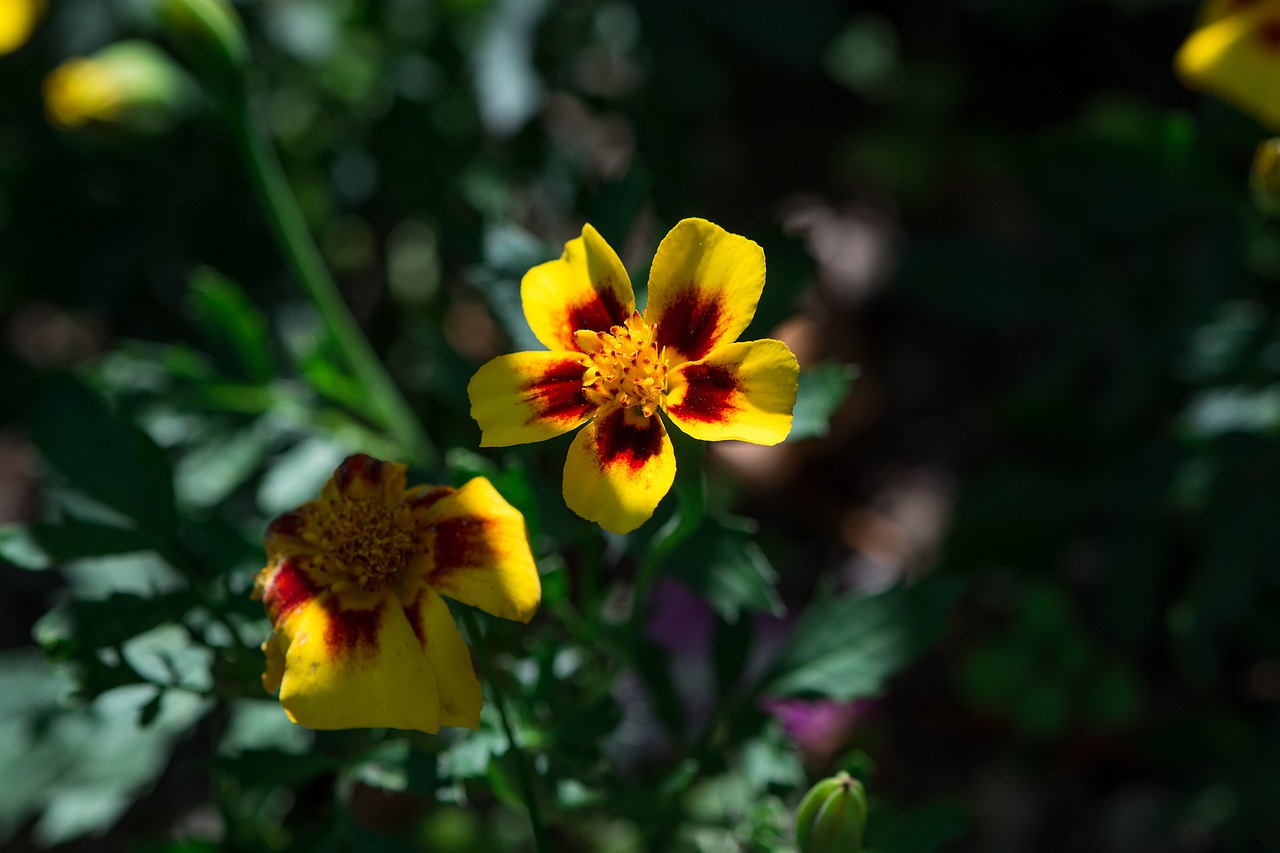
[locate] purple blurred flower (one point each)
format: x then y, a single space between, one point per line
819 727
680 620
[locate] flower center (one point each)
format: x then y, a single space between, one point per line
367 541
627 367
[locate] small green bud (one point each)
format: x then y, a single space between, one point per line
831 817
210 37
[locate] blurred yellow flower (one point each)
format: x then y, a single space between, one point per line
1234 53
18 20
613 369
353 585
131 83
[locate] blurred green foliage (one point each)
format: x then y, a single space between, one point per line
1040 253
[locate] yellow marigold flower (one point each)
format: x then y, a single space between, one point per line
613 369
1234 53
353 586
17 21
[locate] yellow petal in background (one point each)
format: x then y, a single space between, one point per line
528 396
743 391
587 288
1237 58
477 552
704 286
618 469
18 20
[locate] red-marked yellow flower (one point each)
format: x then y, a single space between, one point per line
353 586
1234 53
614 369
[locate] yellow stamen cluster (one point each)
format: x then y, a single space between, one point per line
628 369
366 540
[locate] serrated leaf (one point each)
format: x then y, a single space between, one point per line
722 562
846 647
823 388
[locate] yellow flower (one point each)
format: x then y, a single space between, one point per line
1234 53
353 586
132 83
17 21
613 369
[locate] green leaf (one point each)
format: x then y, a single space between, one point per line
105 456
41 546
823 388
722 562
846 647
232 323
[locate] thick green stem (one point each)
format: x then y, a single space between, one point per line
490 674
295 240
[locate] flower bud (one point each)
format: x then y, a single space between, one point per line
1264 179
131 84
209 36
831 817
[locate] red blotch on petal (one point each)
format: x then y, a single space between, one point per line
358 466
348 630
460 543
711 387
288 589
557 394
627 441
691 322
597 314
414 614
1269 35
289 525
428 498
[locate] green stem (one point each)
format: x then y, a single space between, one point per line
490 674
300 249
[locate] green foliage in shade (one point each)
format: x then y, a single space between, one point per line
846 646
232 324
42 546
113 462
723 563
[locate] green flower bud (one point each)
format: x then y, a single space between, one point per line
210 36
1264 180
130 84
831 817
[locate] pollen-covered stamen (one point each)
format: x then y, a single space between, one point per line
627 367
366 541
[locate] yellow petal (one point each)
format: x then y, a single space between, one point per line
477 552
528 396
1237 57
743 391
362 476
352 660
619 467
587 288
17 20
703 288
274 672
460 698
